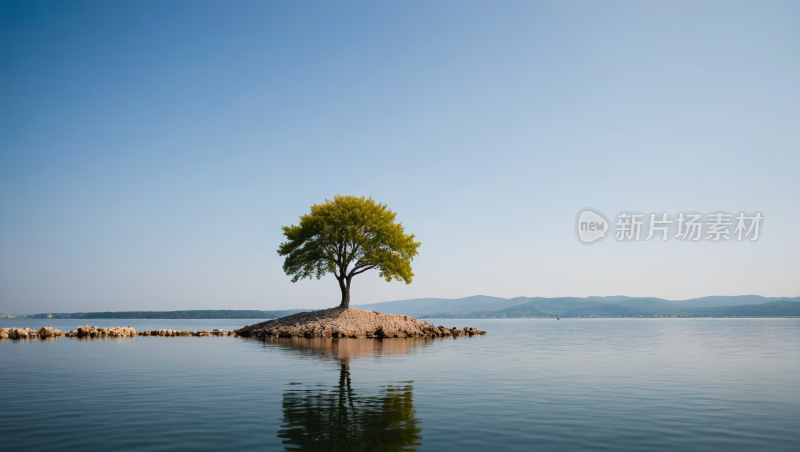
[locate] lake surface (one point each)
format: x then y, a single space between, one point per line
575 384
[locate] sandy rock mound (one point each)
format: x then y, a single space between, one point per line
47 331
350 322
176 333
17 333
92 332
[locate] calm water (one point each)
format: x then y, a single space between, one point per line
584 384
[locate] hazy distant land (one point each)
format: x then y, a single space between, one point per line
195 314
486 307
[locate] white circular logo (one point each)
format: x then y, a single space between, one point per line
591 226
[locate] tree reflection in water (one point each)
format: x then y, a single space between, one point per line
338 419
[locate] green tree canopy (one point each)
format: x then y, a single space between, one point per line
348 236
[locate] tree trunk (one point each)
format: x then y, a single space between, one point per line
345 293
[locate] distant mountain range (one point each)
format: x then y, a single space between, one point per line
485 307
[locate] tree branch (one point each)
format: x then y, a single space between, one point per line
364 266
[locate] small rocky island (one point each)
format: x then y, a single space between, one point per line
329 323
353 323
347 236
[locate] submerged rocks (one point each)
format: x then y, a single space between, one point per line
29 333
17 333
330 323
87 331
350 322
176 333
47 331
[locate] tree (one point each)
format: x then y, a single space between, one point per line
348 236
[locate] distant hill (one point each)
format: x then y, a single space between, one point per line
730 301
426 306
586 308
552 307
522 311
614 306
486 307
770 309
641 304
620 298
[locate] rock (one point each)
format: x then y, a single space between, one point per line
354 323
87 331
47 331
17 333
120 331
380 332
20 333
179 333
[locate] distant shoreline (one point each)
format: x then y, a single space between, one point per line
165 315
486 307
423 317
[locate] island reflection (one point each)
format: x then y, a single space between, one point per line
337 418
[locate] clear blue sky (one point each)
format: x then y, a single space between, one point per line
151 150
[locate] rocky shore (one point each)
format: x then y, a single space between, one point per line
91 332
352 323
175 333
329 323
28 333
